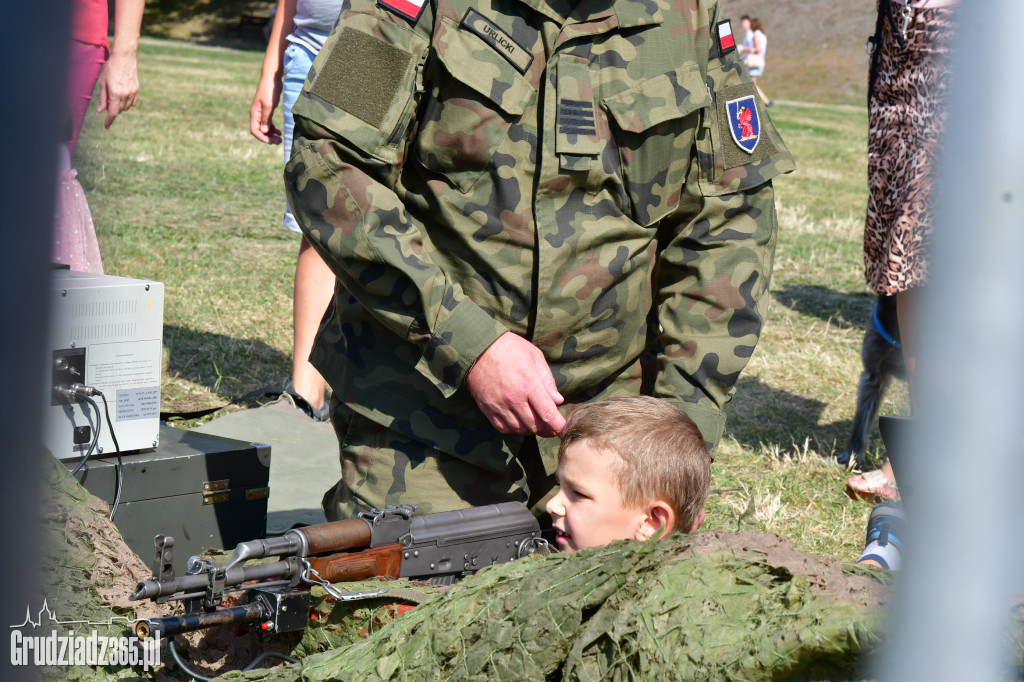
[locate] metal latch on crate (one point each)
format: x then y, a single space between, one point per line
215 492
254 494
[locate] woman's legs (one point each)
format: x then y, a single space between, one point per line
314 288
314 281
764 97
85 62
906 312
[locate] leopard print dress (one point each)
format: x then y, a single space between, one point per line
906 118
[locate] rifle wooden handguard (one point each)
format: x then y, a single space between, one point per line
377 562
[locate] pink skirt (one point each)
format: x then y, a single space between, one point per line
74 237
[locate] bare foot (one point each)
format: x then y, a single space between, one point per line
874 486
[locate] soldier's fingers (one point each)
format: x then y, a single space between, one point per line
509 425
549 420
524 414
503 422
547 379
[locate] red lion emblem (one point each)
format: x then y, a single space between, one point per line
743 117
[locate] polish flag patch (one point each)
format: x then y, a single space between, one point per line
726 41
410 9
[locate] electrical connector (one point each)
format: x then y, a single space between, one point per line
77 391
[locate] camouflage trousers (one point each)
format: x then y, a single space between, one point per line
380 466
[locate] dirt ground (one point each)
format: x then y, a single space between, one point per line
825 574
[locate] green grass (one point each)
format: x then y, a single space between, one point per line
181 193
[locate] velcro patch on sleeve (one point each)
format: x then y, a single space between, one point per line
362 75
742 126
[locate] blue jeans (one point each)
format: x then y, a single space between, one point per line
297 60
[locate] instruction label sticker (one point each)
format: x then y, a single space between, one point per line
123 365
138 403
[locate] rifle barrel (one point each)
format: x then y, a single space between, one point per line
168 626
152 589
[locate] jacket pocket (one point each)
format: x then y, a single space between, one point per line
655 126
738 146
473 100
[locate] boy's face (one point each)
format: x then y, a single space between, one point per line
588 509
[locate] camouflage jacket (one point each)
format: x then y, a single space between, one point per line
522 165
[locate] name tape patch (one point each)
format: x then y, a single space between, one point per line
410 9
502 42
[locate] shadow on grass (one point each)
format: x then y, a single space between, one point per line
760 416
844 310
228 367
216 22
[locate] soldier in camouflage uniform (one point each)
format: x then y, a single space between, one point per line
522 199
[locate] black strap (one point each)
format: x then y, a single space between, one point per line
252 395
901 38
885 13
876 43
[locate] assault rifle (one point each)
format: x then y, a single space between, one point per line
389 543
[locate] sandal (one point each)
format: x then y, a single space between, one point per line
317 414
873 486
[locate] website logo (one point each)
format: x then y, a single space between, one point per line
50 641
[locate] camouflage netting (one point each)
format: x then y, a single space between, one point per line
95 573
714 605
656 611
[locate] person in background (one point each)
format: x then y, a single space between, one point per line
907 101
883 546
91 59
91 54
755 57
299 31
747 45
74 236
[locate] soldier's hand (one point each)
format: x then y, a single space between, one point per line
514 388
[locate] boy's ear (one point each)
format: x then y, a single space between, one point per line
659 519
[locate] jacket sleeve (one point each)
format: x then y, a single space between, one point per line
717 250
355 120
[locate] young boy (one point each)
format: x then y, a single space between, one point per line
627 468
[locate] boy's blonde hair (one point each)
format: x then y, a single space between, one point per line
661 452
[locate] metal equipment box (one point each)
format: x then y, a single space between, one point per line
206 491
106 333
